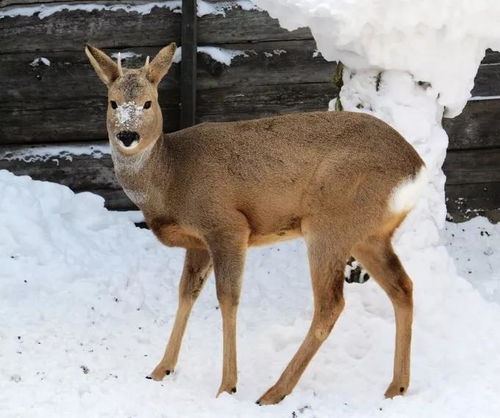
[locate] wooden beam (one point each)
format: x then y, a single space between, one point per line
188 64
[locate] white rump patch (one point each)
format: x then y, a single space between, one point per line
406 194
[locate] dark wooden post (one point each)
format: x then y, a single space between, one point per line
188 64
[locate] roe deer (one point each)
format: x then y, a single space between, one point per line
344 181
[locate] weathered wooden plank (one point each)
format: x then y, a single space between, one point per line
248 102
238 25
82 167
64 101
77 166
68 77
80 121
466 201
477 127
472 166
33 107
70 30
71 77
265 63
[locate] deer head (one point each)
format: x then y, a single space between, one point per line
134 118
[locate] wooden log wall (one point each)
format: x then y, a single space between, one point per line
62 106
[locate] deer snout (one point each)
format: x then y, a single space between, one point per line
127 137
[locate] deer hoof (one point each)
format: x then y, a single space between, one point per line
271 397
395 389
226 388
159 373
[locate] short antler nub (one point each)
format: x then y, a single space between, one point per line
119 62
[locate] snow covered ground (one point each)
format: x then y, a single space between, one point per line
475 247
88 299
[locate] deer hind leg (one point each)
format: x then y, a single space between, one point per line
197 267
327 266
377 256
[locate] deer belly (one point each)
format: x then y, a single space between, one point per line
260 239
285 229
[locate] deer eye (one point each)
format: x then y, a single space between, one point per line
113 104
147 105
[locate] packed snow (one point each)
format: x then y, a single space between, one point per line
481 98
40 61
43 11
125 55
275 52
220 8
204 8
471 242
441 42
88 300
222 55
53 152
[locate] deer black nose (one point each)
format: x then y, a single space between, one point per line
127 137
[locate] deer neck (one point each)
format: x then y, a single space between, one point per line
135 173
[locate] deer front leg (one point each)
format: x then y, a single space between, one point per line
197 266
228 254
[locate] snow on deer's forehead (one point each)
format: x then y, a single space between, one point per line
128 115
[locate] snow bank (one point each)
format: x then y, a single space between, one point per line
438 41
475 248
88 300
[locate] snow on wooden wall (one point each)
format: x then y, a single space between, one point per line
49 94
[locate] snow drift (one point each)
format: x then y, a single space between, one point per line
440 42
88 300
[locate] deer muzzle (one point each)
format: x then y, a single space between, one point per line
127 138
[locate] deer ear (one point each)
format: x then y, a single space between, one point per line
160 65
107 70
